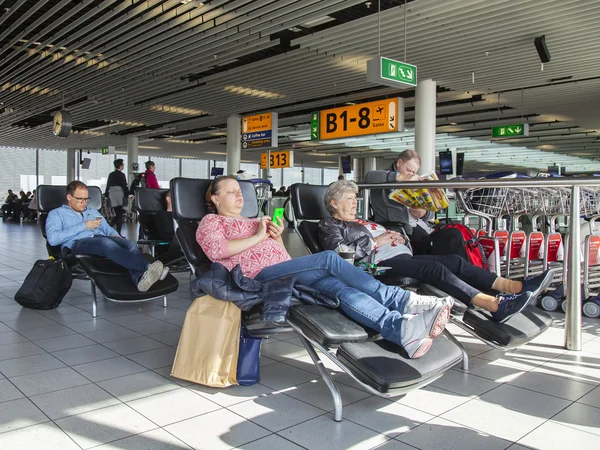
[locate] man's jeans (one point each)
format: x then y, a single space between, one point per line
368 301
121 251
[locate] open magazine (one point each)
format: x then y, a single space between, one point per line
429 199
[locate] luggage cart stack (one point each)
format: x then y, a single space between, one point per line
524 254
262 187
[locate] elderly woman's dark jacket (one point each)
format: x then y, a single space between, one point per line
333 232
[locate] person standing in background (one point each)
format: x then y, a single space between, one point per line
151 180
117 192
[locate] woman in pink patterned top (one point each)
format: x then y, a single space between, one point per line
402 317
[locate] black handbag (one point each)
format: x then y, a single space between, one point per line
248 366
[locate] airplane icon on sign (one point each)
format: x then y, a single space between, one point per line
380 109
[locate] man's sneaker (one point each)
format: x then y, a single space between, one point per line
150 276
418 331
416 304
511 304
164 273
538 284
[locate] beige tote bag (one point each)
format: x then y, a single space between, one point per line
208 347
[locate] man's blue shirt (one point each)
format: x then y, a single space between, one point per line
64 226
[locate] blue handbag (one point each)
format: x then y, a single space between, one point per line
248 366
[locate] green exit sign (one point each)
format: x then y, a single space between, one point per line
520 129
314 126
105 150
390 72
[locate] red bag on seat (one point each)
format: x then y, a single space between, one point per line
457 239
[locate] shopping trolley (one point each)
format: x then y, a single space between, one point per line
262 187
542 250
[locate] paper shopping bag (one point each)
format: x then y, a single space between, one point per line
208 347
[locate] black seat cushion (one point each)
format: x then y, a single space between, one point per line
117 285
327 326
309 232
518 330
385 366
101 266
397 280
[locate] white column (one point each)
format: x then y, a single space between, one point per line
369 163
234 143
454 167
71 157
132 157
357 168
425 124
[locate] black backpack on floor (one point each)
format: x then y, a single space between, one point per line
46 285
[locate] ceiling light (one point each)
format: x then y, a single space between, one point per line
149 147
185 141
88 132
295 29
125 122
177 110
215 153
185 2
317 22
251 92
452 123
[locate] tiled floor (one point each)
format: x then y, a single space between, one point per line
68 382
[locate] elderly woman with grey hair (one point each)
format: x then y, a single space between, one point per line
450 273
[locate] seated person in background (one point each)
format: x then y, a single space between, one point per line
85 231
163 222
226 237
31 212
8 208
451 273
281 192
393 214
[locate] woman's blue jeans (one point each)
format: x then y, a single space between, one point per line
366 300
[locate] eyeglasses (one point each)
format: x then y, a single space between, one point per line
81 200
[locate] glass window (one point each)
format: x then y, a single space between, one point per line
18 170
53 167
166 170
330 175
252 170
292 175
100 166
195 168
276 176
312 175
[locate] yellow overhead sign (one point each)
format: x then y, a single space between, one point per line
258 122
357 120
279 160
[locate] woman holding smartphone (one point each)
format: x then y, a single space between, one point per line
402 317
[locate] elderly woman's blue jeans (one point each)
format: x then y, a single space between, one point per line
363 298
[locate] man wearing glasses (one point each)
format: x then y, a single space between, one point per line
85 231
